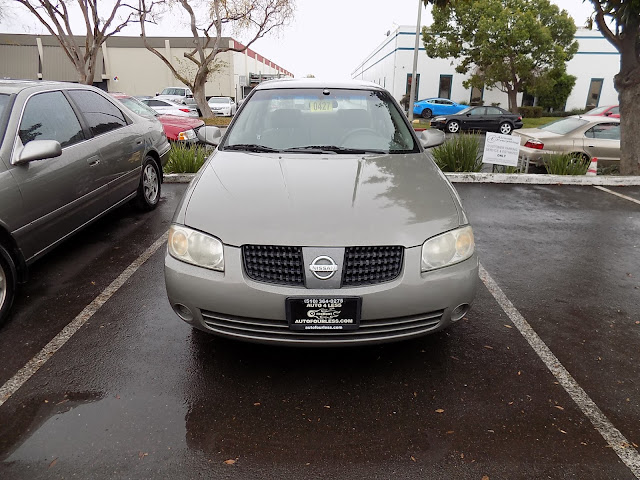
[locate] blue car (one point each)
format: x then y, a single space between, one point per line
436 106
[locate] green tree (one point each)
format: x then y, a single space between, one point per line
554 91
510 45
624 17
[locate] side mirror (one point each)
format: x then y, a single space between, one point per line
157 94
431 138
39 150
608 114
189 95
209 135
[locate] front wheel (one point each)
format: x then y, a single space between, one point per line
150 185
427 113
7 284
506 128
453 126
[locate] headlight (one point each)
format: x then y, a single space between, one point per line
439 119
448 248
187 135
197 248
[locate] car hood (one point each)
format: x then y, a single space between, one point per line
320 200
180 122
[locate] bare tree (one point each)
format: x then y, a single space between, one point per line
101 21
256 18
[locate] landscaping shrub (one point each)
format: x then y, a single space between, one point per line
459 154
185 158
566 164
530 112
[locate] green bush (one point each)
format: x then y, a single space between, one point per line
566 164
530 112
459 154
185 158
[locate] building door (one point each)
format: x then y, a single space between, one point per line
444 90
595 88
408 91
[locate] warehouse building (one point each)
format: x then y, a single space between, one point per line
125 65
390 65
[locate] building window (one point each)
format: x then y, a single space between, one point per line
409 85
476 96
595 88
445 86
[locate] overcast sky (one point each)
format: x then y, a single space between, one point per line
326 38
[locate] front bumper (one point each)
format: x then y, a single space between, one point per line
231 305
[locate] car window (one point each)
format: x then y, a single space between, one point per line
596 111
4 110
138 107
101 115
446 102
340 119
563 126
173 91
605 131
48 116
478 111
493 111
219 100
615 111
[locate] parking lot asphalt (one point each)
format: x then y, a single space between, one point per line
135 393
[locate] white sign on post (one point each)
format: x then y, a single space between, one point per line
501 149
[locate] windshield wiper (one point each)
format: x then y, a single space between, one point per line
332 149
250 147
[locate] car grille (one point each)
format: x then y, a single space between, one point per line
278 330
274 264
371 265
283 265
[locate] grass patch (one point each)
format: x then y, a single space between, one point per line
185 158
459 154
421 122
217 121
566 164
536 122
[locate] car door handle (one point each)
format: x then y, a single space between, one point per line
93 161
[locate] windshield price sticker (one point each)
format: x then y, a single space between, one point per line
321 106
501 149
328 314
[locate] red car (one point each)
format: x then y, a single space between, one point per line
177 129
612 111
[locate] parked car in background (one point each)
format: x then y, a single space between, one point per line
224 106
321 220
580 135
177 129
612 111
167 107
494 119
182 95
68 154
436 106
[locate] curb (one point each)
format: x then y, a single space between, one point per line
510 178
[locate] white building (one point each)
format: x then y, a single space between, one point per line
391 62
125 65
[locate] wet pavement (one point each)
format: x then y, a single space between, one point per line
135 393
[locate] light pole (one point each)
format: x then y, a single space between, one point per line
412 93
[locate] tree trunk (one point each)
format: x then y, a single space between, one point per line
629 97
512 94
199 93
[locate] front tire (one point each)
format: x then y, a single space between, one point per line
506 128
453 126
150 185
427 113
7 284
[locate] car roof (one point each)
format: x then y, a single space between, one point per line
287 83
15 86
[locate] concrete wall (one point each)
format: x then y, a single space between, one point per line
392 60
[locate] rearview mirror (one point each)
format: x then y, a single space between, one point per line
431 138
39 150
209 135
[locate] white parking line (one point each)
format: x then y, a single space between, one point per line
12 385
617 194
611 434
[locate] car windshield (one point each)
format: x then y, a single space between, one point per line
563 126
219 100
321 121
596 111
173 91
138 107
465 110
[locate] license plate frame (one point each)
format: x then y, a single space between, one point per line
323 314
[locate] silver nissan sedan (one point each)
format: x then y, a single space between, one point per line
320 220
